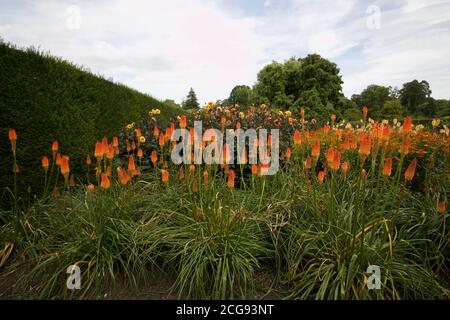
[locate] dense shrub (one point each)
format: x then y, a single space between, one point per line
46 98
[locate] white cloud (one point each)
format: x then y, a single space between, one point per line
166 47
161 47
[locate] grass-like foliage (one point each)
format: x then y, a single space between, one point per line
346 199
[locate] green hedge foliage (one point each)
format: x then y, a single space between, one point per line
46 98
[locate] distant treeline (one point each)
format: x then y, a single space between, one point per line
315 84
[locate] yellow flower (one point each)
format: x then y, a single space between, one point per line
241 115
142 139
288 114
154 112
436 122
130 126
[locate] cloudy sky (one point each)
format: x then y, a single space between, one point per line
165 47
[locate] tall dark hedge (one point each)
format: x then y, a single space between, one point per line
46 98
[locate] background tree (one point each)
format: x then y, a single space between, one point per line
392 109
321 76
374 96
240 95
270 82
172 103
191 101
292 74
311 82
442 108
415 94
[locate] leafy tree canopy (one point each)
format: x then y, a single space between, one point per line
240 95
414 94
311 82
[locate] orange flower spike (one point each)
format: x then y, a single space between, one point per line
90 187
16 168
65 169
365 110
333 118
321 176
88 160
405 147
205 177
12 138
222 121
162 140
336 163
254 169
345 166
115 143
45 163
269 140
58 159
164 176
225 154
105 142
172 126
105 183
140 154
138 132
297 138
315 151
411 170
183 121
407 125
346 144
124 178
387 168
191 135
441 207
128 146
231 176
288 153
133 145
386 133
110 154
131 164
192 169
366 145
330 155
154 157
155 131
98 150
308 162
12 135
55 148
263 169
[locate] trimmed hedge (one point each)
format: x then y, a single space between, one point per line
46 98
